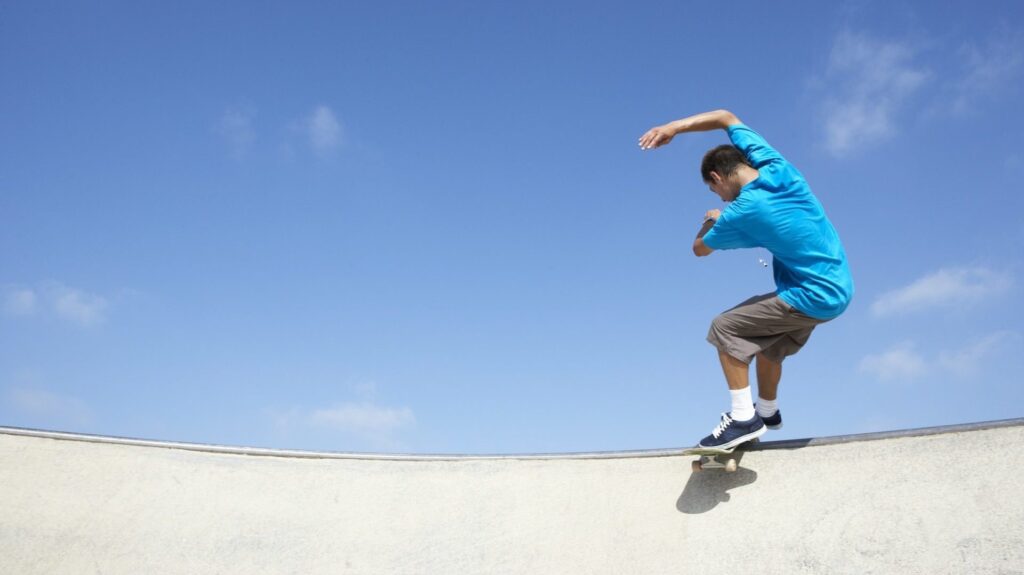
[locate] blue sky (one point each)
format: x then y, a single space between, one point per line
428 228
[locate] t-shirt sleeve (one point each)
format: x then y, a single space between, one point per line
753 146
729 233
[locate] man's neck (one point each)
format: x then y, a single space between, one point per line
745 174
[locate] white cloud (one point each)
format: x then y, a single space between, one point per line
57 300
324 131
363 418
53 408
236 127
78 306
20 301
946 287
969 361
987 69
901 362
874 79
377 426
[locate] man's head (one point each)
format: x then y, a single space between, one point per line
725 170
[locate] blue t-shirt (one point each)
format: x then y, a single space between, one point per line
778 212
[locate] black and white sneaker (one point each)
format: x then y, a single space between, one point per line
773 421
731 433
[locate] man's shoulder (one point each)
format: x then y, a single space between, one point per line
758 151
751 204
779 174
753 196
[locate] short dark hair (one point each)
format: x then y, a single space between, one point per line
723 159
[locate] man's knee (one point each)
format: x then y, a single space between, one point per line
722 334
720 325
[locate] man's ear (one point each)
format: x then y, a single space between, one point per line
714 178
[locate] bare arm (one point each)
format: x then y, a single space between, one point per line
699 248
661 135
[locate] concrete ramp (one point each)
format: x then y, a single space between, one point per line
941 500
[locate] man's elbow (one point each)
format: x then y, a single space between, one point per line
727 118
700 250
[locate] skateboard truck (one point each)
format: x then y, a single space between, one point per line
717 458
724 461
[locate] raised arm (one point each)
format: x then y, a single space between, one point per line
661 135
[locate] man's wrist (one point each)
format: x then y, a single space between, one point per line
706 227
677 127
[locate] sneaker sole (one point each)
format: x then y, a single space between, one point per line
726 447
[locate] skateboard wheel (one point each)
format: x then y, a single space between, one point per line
695 466
730 466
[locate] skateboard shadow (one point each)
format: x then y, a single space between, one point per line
706 489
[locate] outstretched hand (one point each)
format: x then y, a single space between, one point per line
656 137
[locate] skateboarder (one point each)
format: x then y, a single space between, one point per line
770 206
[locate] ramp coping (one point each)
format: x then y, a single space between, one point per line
664 452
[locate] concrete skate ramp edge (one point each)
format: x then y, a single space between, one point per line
936 500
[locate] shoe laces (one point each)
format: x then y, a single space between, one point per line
722 425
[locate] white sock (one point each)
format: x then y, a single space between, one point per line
742 404
766 408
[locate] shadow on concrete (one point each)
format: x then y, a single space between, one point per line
706 489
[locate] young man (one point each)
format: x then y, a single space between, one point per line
770 206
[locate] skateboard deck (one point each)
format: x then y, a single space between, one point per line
710 458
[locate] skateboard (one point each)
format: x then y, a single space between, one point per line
717 458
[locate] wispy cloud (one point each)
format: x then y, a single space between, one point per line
324 131
50 407
873 79
19 301
987 68
901 362
968 361
375 425
320 130
78 306
52 298
363 418
944 288
237 129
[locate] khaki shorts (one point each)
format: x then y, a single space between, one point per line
762 324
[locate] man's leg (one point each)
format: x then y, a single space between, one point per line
768 375
742 423
730 333
737 376
737 373
761 326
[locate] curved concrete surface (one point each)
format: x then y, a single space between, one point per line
941 500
